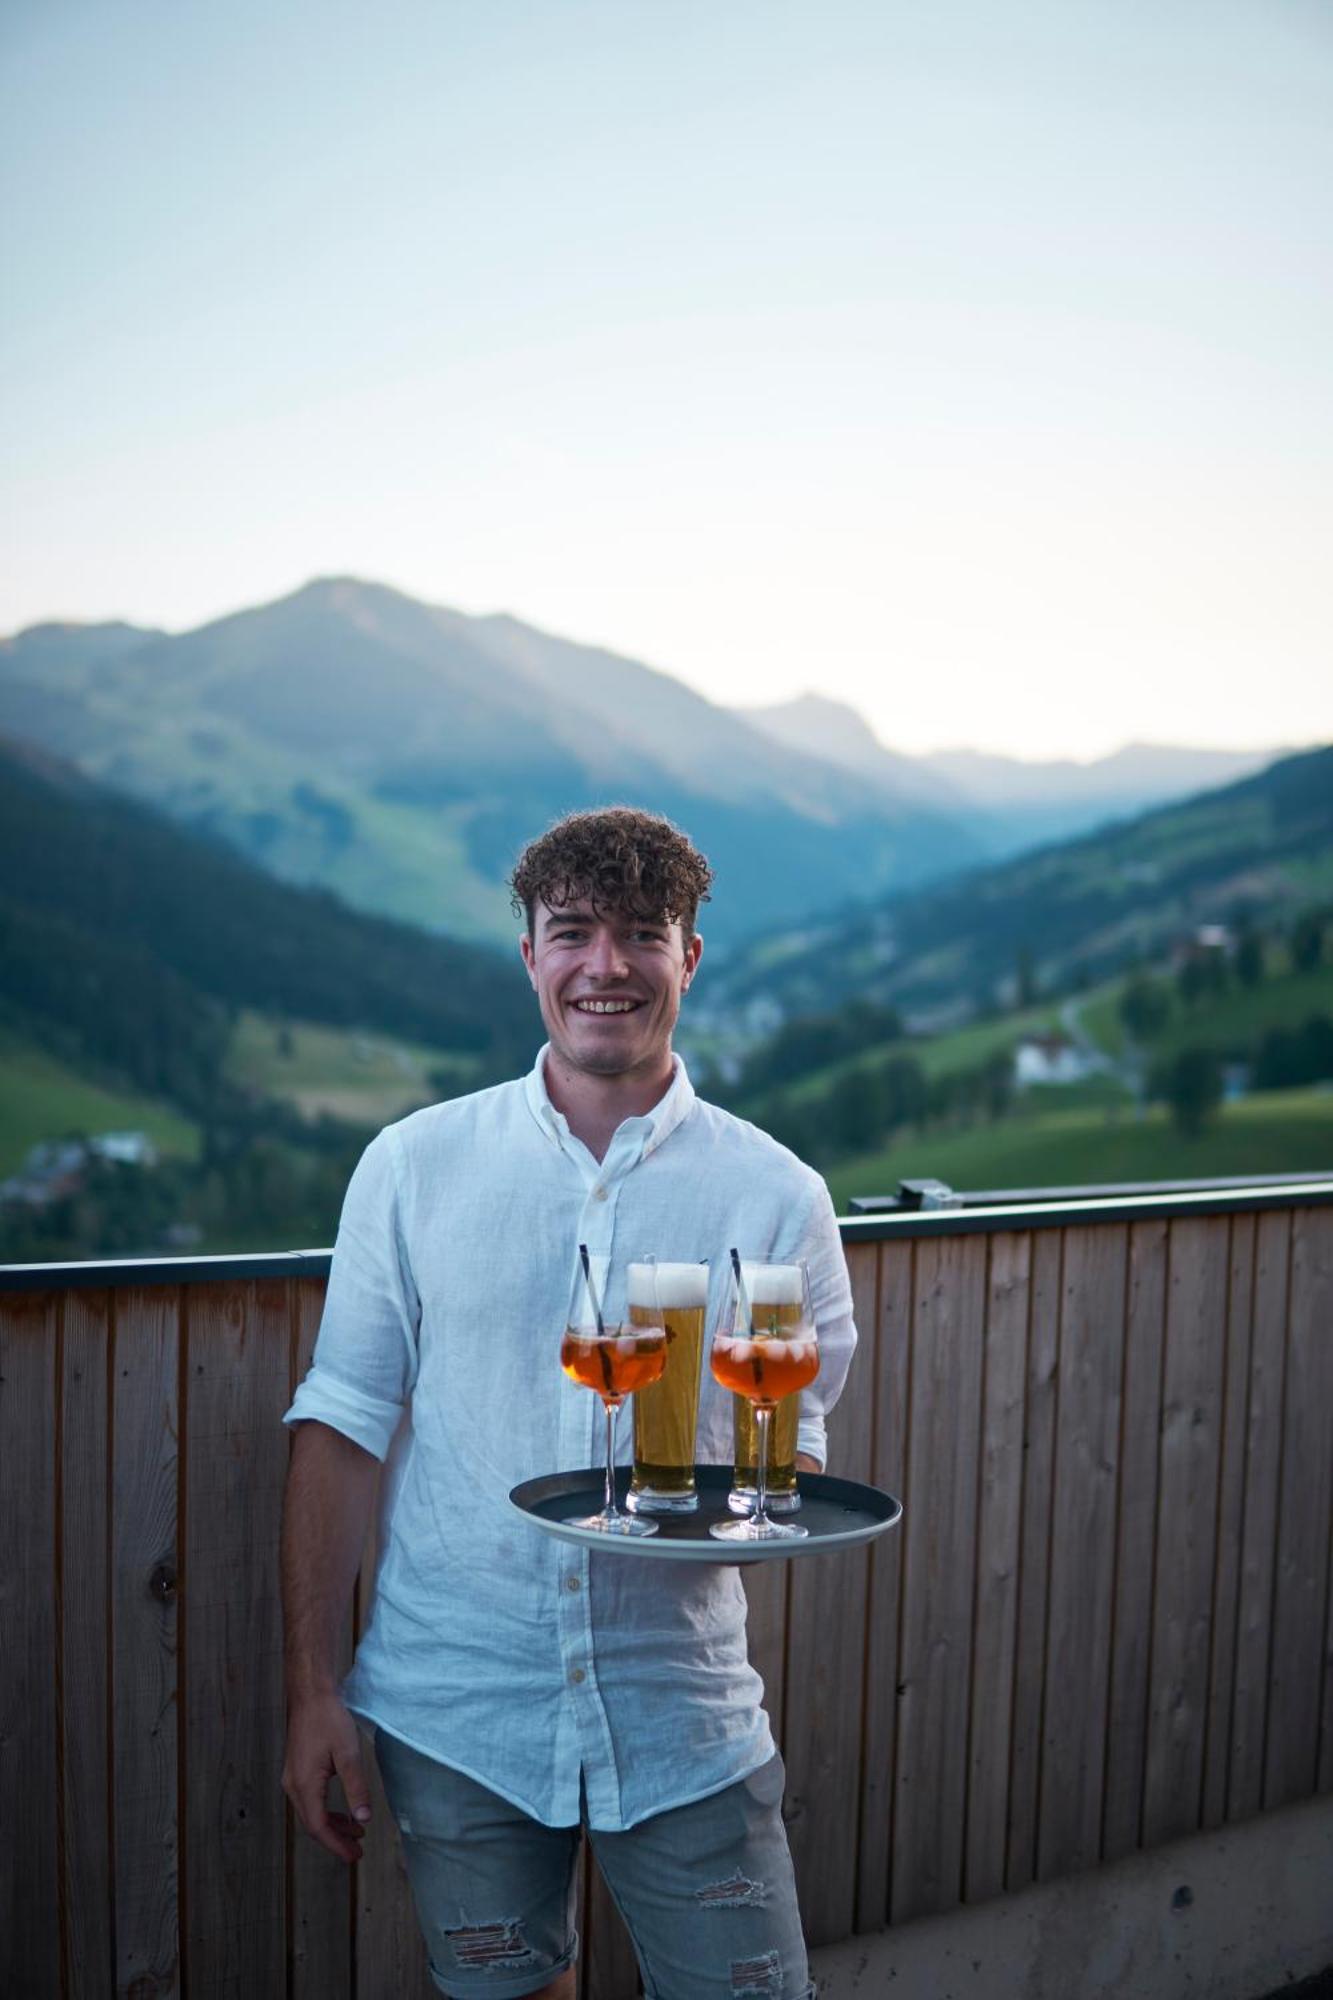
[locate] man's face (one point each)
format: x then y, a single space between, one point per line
609 986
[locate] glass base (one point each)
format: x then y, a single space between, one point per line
616 1524
750 1530
649 1500
744 1500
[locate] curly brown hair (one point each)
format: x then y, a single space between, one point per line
620 859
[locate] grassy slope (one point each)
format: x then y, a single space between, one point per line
366 1079
41 1098
1280 1132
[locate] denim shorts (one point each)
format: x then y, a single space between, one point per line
706 1890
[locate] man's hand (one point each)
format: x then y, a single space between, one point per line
322 1743
804 1463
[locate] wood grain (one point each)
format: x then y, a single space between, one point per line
892 1358
1305 1507
29 1881
319 1917
1263 1444
1230 1521
1083 1538
145 1590
823 1695
1034 1559
85 1611
940 1554
1196 1324
995 1614
1136 1534
236 1456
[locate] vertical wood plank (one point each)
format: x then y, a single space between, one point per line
1136 1533
390 1961
145 1429
1230 1521
1296 1664
1078 1644
940 1554
1034 1562
85 1611
996 1609
29 1890
766 1633
1196 1325
892 1361
236 1456
1263 1443
611 1970
823 1753
319 1916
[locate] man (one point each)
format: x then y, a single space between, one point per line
518 1687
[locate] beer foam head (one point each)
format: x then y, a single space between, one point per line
679 1286
773 1284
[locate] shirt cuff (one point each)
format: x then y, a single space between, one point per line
366 1420
812 1439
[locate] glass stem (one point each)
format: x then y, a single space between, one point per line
610 1504
761 1420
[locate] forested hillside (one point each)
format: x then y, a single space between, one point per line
128 941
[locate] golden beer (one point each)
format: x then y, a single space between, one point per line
771 1316
667 1411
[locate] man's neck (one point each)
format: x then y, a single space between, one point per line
594 1106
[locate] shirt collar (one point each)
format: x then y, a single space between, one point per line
655 1126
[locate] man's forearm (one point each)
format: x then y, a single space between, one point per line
330 1491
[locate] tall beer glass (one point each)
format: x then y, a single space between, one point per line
667 1411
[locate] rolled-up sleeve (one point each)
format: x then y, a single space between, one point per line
831 1299
365 1359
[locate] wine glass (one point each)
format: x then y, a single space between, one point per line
766 1348
614 1358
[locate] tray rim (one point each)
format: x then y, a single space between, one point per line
875 1500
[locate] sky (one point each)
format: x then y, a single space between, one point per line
969 363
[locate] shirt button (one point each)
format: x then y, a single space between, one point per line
599 1194
572 1583
578 1676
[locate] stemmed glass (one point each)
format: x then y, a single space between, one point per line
613 1358
766 1348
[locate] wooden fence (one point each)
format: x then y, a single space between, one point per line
1103 1623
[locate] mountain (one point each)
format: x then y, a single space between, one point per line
400 753
128 944
1071 911
1009 803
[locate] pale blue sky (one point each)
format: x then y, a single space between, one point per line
970 362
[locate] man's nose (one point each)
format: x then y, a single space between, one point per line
606 959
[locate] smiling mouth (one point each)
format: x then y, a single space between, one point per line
607 1006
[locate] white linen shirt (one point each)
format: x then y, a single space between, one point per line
530 1665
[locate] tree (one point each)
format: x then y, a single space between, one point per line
1307 941
1026 976
1145 1007
1250 958
1192 1086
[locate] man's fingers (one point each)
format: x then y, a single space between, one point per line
350 1769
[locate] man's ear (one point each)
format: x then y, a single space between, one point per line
529 959
694 951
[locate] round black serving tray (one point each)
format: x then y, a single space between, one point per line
838 1514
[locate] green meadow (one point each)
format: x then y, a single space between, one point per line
1288 1131
42 1098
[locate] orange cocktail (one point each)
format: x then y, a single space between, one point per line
616 1361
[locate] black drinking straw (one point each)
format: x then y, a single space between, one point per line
592 1291
743 1302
